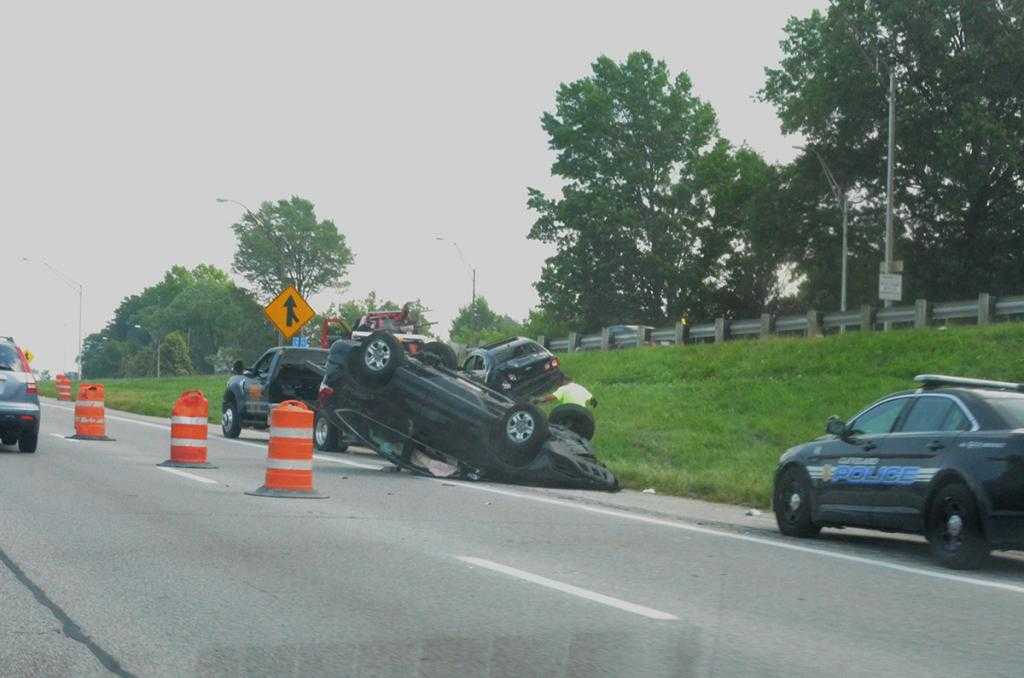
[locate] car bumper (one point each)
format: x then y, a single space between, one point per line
19 416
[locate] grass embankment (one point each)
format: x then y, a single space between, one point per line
710 421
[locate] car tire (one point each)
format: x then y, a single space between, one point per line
9 438
379 355
577 419
28 441
520 434
954 528
326 436
444 353
231 419
792 504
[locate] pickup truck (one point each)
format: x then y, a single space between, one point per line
282 373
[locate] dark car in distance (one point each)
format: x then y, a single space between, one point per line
945 460
516 366
420 414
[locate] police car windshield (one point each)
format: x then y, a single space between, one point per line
1010 407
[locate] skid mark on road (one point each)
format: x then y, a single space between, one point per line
617 603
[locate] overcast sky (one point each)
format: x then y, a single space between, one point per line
120 123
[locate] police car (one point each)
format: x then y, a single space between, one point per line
945 460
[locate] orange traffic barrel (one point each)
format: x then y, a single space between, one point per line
63 387
189 424
90 416
290 454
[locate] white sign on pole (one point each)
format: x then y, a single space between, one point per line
890 286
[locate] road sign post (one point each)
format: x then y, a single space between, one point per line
289 312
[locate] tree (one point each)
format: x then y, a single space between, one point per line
284 244
477 324
632 245
959 167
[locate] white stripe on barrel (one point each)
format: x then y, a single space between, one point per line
290 464
188 442
88 403
190 421
301 433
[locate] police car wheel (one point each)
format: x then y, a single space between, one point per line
954 528
792 504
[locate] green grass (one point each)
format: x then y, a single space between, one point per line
710 421
153 396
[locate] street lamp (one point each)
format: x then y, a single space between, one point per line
75 285
844 203
463 258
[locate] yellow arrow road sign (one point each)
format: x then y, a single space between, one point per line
288 312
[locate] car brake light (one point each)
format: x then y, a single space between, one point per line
414 347
31 388
325 393
27 417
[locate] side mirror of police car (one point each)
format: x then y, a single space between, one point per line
238 367
836 426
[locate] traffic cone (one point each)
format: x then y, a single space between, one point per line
290 453
189 424
90 415
63 387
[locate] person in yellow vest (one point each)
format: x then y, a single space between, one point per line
573 409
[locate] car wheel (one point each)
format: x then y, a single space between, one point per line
954 528
577 419
8 438
326 436
792 503
520 433
28 441
230 420
379 355
443 352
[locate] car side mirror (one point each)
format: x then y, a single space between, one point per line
238 367
837 427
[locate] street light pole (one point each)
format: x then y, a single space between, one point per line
80 288
888 177
472 270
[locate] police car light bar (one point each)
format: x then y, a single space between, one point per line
939 380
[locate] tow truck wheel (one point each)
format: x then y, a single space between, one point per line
954 528
377 359
326 436
230 420
792 504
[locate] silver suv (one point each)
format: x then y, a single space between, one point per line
19 399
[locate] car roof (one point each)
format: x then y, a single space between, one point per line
510 341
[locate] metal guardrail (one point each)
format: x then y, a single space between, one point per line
982 310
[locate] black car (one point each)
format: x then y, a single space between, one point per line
516 366
945 460
419 414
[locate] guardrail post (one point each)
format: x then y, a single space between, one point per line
605 338
767 325
867 318
574 341
682 333
985 308
813 323
922 313
542 340
721 329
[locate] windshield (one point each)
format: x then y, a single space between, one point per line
9 358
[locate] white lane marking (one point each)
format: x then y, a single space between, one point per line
750 539
63 437
186 474
346 462
648 612
117 418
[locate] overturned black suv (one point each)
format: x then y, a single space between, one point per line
420 414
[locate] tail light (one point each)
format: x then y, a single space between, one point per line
551 364
324 395
414 347
31 388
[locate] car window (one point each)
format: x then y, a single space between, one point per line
927 413
1010 408
474 363
262 366
9 359
956 420
880 418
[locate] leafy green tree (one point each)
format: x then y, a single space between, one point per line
285 244
631 244
959 135
542 322
476 324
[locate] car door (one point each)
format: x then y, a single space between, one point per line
475 367
841 467
931 426
257 403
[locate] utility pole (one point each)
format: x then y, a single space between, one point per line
472 269
888 178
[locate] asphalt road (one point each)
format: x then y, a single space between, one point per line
109 564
